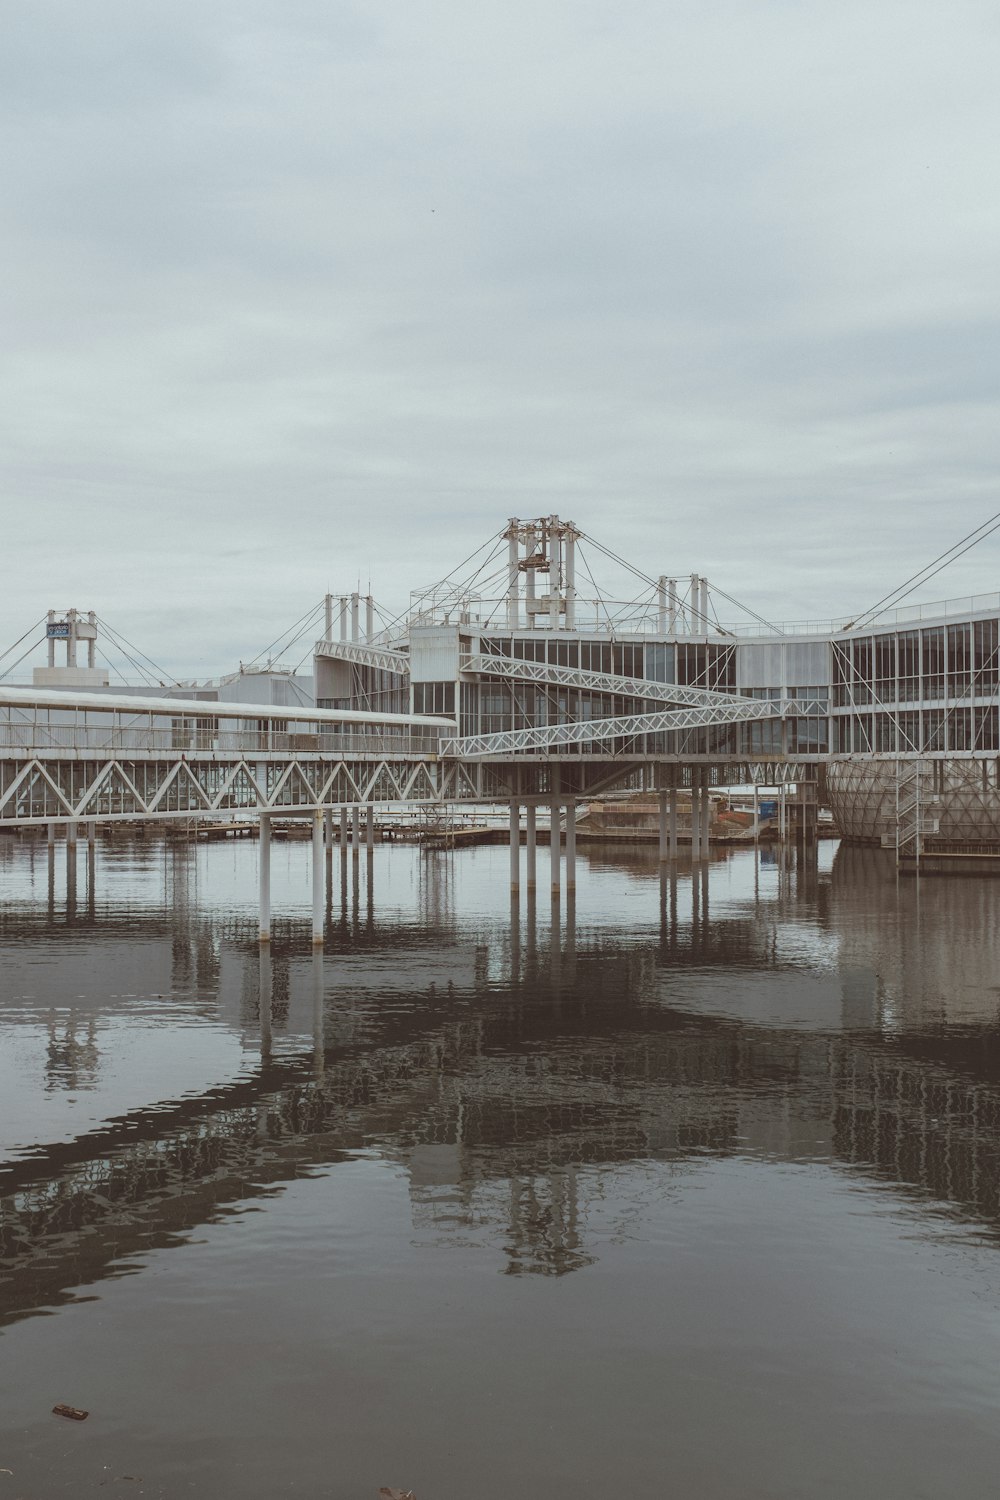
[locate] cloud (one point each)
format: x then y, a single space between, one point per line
294 294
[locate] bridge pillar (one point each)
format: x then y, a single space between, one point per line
695 811
555 846
343 830
71 832
706 808
317 879
70 877
319 1038
328 828
370 829
672 795
52 826
265 877
570 848
515 848
265 1002
664 845
355 830
529 835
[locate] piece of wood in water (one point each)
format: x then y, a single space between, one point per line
74 1412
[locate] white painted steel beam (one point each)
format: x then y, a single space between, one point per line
629 726
365 656
511 668
127 706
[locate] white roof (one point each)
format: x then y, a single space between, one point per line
205 708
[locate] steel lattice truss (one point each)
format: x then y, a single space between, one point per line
365 656
40 790
732 710
600 682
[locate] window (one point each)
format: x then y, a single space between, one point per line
933 663
984 656
909 666
885 668
434 698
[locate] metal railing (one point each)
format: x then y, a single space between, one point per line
43 738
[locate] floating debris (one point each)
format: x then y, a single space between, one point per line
73 1412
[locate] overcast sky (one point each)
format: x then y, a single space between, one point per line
296 293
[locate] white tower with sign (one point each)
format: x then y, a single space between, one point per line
76 631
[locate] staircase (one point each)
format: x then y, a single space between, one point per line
917 811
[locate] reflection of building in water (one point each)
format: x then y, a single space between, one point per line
913 951
71 1055
508 1129
528 1113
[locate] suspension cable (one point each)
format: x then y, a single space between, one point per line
935 566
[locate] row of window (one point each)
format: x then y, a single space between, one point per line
434 698
930 729
689 663
953 661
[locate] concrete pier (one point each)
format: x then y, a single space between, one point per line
317 879
265 877
515 848
571 847
555 848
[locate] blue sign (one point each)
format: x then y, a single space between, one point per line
59 632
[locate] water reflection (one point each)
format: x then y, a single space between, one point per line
506 1062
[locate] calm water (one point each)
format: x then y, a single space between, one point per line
694 1192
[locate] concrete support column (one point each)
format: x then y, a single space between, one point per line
319 1038
355 829
265 877
317 880
555 846
71 878
672 804
328 617
91 833
370 829
328 828
706 827
71 832
570 582
695 812
512 580
52 834
570 847
265 1002
529 834
664 843
515 848
343 830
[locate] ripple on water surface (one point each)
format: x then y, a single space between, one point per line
693 1183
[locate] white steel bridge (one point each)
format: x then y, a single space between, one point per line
535 694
